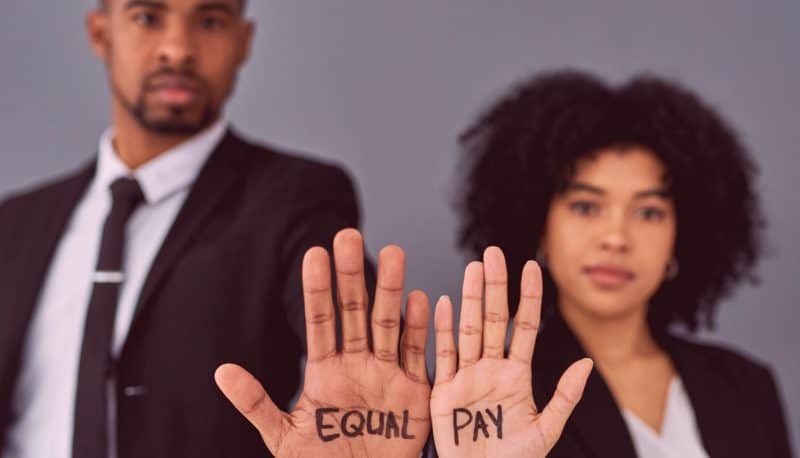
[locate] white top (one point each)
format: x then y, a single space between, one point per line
44 396
679 436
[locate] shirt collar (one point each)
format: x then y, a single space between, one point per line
168 173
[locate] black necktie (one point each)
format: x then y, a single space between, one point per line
90 428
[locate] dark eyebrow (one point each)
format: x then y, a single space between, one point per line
216 6
578 186
207 6
661 192
145 3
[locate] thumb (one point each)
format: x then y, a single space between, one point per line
568 392
252 401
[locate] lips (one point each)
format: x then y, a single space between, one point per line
608 276
174 90
175 95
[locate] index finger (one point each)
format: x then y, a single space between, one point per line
526 322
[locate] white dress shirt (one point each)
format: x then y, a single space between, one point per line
679 436
44 396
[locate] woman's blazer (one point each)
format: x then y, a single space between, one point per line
735 400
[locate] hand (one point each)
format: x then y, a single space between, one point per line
486 407
357 402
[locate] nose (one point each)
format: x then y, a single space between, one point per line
615 235
177 48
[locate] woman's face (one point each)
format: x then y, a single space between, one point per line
609 236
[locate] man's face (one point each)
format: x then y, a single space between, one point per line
171 63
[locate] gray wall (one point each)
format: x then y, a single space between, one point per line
385 87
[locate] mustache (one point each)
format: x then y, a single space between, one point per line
185 76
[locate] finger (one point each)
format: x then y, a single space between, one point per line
568 392
445 342
348 255
415 335
495 315
388 302
526 322
471 321
319 312
249 398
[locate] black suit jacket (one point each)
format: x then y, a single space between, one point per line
735 400
224 287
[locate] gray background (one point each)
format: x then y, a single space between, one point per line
385 87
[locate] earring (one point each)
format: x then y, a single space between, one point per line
672 269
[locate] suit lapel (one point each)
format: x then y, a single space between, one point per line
215 179
49 215
596 423
48 220
723 428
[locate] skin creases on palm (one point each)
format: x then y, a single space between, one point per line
374 400
361 397
378 412
482 387
482 400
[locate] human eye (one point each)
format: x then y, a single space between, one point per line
213 22
147 19
584 207
651 213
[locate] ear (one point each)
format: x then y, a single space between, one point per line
246 34
97 32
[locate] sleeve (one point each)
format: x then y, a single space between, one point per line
326 204
773 415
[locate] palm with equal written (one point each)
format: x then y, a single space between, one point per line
490 395
355 379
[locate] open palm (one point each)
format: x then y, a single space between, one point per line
357 401
484 407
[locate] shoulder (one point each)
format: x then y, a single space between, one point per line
286 190
27 210
28 199
733 364
294 175
750 384
289 168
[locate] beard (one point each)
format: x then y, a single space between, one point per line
171 120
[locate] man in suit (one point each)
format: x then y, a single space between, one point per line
125 284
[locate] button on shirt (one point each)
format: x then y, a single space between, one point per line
43 402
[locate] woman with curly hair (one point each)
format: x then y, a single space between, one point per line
639 204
